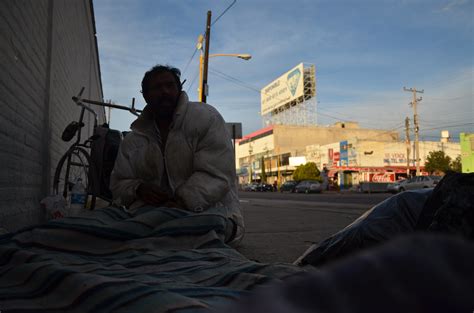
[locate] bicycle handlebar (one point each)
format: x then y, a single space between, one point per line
111 105
79 101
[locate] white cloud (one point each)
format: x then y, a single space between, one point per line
452 4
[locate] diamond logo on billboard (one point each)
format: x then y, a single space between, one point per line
292 80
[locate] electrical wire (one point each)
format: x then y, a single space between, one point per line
447 126
189 62
233 79
192 81
448 99
223 12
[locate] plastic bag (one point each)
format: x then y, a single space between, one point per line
396 215
55 206
451 207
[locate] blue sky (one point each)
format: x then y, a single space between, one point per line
365 52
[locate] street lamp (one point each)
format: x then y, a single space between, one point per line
204 60
243 56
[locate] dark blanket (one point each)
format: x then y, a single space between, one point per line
158 260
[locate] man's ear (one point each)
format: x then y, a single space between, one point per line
145 96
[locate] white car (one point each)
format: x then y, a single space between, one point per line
417 182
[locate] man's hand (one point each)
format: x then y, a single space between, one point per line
151 194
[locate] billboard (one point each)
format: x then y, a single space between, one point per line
344 155
286 88
297 161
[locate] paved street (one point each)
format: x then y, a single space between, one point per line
280 227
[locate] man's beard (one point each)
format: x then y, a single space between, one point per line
164 108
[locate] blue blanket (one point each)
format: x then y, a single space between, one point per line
108 260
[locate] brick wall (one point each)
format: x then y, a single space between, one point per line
48 53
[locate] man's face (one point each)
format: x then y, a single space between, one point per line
162 93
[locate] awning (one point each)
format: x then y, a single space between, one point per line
370 169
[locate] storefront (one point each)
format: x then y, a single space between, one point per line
347 176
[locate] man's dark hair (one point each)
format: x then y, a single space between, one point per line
160 69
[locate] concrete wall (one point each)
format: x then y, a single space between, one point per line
48 53
295 139
368 153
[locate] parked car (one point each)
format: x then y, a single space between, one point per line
308 186
395 186
251 187
288 186
264 187
417 182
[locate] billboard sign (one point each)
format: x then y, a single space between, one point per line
352 155
286 88
296 161
344 155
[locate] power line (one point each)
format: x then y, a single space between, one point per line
448 99
192 81
190 60
235 80
448 126
223 12
358 117
436 122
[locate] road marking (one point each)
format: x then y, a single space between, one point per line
244 201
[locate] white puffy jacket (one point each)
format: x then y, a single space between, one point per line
199 161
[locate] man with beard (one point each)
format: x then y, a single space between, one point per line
178 154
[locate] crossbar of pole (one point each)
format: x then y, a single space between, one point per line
109 105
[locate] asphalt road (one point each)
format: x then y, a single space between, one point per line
280 227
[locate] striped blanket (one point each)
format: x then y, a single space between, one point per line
108 260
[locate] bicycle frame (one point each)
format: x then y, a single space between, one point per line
80 102
80 150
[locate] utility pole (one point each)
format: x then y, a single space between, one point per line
407 141
415 122
201 61
204 87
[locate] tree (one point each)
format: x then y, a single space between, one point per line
437 161
308 171
456 164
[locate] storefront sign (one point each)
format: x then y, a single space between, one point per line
394 158
344 158
382 177
352 155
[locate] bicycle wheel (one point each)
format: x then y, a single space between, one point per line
72 165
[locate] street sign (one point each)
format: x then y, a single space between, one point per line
235 130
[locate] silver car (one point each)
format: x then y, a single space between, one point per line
417 182
308 186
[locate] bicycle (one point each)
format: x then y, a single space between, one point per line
77 162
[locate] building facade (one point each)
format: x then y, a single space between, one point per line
352 161
271 149
467 152
49 51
